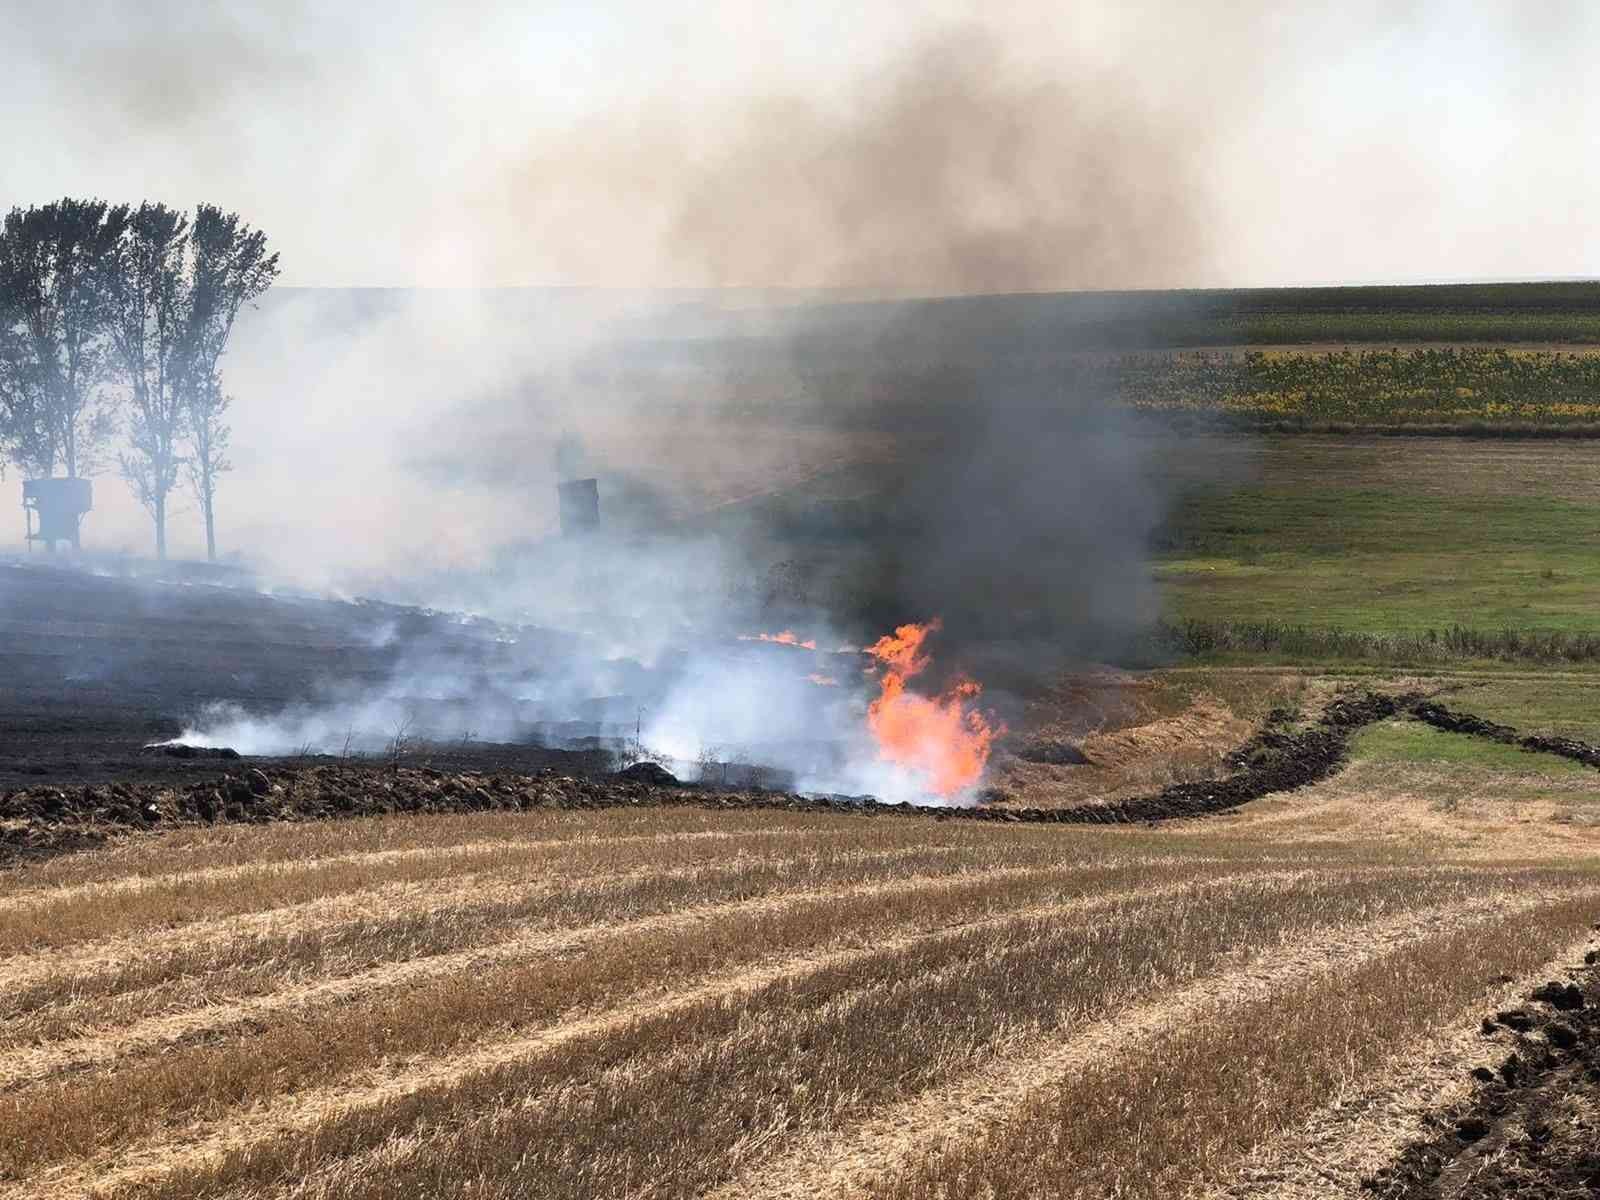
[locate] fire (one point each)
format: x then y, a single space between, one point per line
945 738
786 638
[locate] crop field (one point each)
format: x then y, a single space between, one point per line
1557 313
667 1002
1410 386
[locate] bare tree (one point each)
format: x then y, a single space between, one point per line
229 268
149 328
55 333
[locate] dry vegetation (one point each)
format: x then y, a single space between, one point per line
674 1003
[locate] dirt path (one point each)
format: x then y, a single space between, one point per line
207 1142
847 1163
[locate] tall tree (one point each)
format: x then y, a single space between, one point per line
229 268
209 433
54 333
25 439
149 332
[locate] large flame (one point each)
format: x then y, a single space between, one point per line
946 739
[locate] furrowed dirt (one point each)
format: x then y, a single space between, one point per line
1531 1126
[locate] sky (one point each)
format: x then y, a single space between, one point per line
926 146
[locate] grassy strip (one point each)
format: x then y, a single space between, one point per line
71 1117
1390 555
1413 743
685 1099
1199 1097
1263 423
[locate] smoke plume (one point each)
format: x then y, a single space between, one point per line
681 251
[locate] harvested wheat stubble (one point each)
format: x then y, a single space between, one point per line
198 884
253 847
419 920
307 1111
624 1010
1419 1091
453 1006
83 914
881 1151
1221 1085
372 1109
392 920
1201 924
219 1015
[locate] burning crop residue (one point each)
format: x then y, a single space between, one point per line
787 637
946 739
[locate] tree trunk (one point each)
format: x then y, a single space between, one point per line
211 528
159 511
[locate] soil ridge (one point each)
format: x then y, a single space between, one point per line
43 821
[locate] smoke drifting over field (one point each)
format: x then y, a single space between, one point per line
766 461
933 144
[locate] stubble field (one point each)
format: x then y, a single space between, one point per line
671 1002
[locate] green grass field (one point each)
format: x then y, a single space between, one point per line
1414 744
1384 560
1546 702
1397 539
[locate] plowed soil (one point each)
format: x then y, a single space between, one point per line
1531 1125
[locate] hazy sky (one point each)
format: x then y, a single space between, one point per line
929 146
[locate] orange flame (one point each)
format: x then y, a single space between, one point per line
945 738
787 638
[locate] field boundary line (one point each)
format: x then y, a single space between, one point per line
849 1161
206 1141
